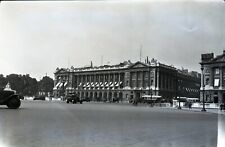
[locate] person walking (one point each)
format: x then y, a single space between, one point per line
190 105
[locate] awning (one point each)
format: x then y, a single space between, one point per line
60 85
156 96
151 97
57 84
111 84
106 84
96 84
92 84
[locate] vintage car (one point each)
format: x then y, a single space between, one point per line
39 98
73 98
10 99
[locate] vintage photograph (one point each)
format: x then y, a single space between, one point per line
112 73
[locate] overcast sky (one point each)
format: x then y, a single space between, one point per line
38 37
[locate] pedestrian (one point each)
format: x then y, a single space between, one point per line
135 101
190 105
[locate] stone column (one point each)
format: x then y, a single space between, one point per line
104 77
119 80
142 77
94 81
114 77
109 77
136 79
81 79
161 80
221 77
211 77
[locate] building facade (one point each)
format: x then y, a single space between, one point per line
213 78
126 81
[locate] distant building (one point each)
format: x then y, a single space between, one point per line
126 81
213 78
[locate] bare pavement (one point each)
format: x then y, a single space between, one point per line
57 124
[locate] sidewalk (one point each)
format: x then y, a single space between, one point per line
195 109
215 111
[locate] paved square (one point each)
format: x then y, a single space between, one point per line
57 124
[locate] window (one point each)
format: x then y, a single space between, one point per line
152 82
217 71
207 81
216 82
206 70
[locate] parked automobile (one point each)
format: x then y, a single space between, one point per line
10 99
39 98
86 99
222 106
73 98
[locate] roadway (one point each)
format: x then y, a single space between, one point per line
57 124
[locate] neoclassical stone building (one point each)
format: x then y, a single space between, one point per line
213 78
127 81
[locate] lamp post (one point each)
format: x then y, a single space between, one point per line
63 90
203 90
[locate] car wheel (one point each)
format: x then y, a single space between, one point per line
14 103
67 102
81 102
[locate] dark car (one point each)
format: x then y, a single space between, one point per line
10 99
40 98
222 106
73 98
86 99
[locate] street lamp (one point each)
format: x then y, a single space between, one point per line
203 90
63 90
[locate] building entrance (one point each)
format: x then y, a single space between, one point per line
215 99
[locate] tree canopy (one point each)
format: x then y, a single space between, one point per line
26 85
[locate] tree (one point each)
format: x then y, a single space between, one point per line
3 81
30 85
23 84
46 85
